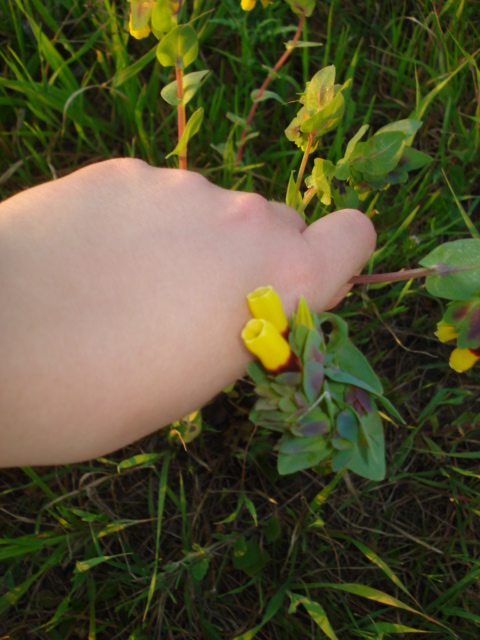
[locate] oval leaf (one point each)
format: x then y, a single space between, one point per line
192 127
458 285
178 48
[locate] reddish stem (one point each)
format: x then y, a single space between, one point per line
439 270
182 156
394 276
267 81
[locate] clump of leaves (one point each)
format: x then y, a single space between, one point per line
326 410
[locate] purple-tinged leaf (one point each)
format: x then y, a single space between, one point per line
347 425
313 376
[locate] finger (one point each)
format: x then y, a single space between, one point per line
288 216
338 246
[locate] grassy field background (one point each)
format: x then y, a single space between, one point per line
155 542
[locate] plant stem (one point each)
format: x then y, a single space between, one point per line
394 276
307 197
301 171
281 61
440 270
182 156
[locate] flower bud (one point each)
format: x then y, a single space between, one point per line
265 304
303 315
265 341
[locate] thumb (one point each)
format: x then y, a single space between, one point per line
338 246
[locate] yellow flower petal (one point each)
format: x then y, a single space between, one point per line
248 5
265 3
462 359
303 315
265 304
446 332
144 32
266 342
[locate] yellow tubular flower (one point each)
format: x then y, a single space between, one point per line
264 304
144 32
446 332
265 341
463 359
248 5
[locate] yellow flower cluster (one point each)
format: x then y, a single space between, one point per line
460 359
265 335
248 5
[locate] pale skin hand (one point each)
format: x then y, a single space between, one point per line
122 293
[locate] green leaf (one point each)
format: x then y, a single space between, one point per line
392 627
257 373
369 462
326 119
371 594
140 14
251 508
352 361
291 200
266 95
320 91
408 127
321 179
162 16
459 285
178 48
199 569
86 565
248 556
191 128
272 608
190 81
291 445
347 425
380 154
316 612
272 529
342 170
302 44
313 376
373 557
346 199
292 463
142 459
413 159
302 6
388 406
353 142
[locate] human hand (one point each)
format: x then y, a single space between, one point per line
124 295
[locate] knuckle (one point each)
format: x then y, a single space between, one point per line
250 209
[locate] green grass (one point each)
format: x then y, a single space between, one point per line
156 542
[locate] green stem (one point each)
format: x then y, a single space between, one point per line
281 61
307 197
182 156
301 171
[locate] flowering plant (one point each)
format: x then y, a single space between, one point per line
316 389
